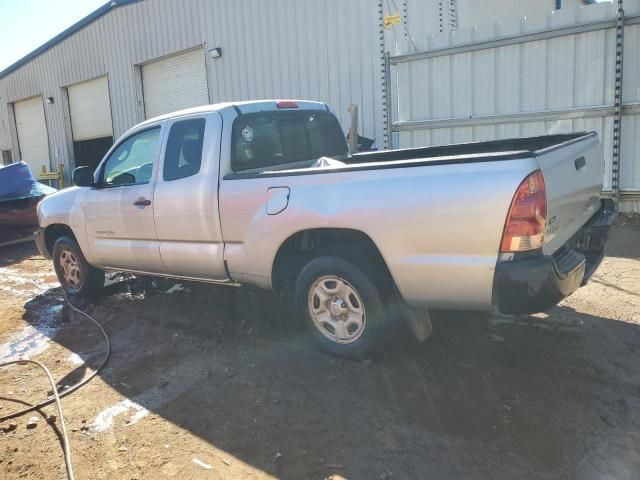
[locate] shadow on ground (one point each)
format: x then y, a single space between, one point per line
485 397
11 254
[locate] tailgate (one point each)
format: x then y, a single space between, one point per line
573 173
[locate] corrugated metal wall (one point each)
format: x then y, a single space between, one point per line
331 51
323 50
473 12
475 92
426 18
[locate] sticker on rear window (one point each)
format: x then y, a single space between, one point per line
247 134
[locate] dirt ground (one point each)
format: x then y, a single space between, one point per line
217 382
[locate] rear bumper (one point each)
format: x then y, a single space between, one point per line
39 239
536 283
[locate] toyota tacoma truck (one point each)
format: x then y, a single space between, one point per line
266 193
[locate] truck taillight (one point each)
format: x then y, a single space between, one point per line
527 219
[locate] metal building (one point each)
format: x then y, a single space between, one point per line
135 59
524 71
456 70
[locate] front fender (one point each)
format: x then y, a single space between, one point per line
66 207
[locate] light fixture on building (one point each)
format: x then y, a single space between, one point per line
50 100
215 52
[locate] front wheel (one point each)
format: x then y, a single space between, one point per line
76 276
342 307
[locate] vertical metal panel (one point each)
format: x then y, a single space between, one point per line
573 71
422 23
631 84
327 51
630 160
474 12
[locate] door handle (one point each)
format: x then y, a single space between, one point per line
142 202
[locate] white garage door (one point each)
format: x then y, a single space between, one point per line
90 109
32 133
174 83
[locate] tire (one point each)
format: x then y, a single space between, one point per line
77 278
354 326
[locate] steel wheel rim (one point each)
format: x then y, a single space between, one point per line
71 271
336 309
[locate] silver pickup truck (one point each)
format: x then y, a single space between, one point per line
265 193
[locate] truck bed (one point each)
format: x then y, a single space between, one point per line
461 153
571 164
476 151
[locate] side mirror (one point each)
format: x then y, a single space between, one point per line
83 177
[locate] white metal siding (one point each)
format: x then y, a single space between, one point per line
90 109
329 50
425 19
566 73
32 133
474 12
174 83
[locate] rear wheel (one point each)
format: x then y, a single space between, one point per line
342 307
76 276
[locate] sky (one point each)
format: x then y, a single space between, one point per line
27 24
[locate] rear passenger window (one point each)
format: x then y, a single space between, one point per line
183 154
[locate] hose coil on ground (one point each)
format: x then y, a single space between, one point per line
57 396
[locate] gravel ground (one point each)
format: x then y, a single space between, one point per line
214 382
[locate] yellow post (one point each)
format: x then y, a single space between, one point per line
56 175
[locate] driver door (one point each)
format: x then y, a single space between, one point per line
119 212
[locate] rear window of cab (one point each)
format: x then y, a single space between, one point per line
284 139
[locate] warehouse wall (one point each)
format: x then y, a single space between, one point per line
478 95
473 12
426 19
327 51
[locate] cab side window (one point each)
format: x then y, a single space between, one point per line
183 155
131 163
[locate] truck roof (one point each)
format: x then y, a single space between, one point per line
249 106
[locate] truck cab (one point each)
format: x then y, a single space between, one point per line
152 205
